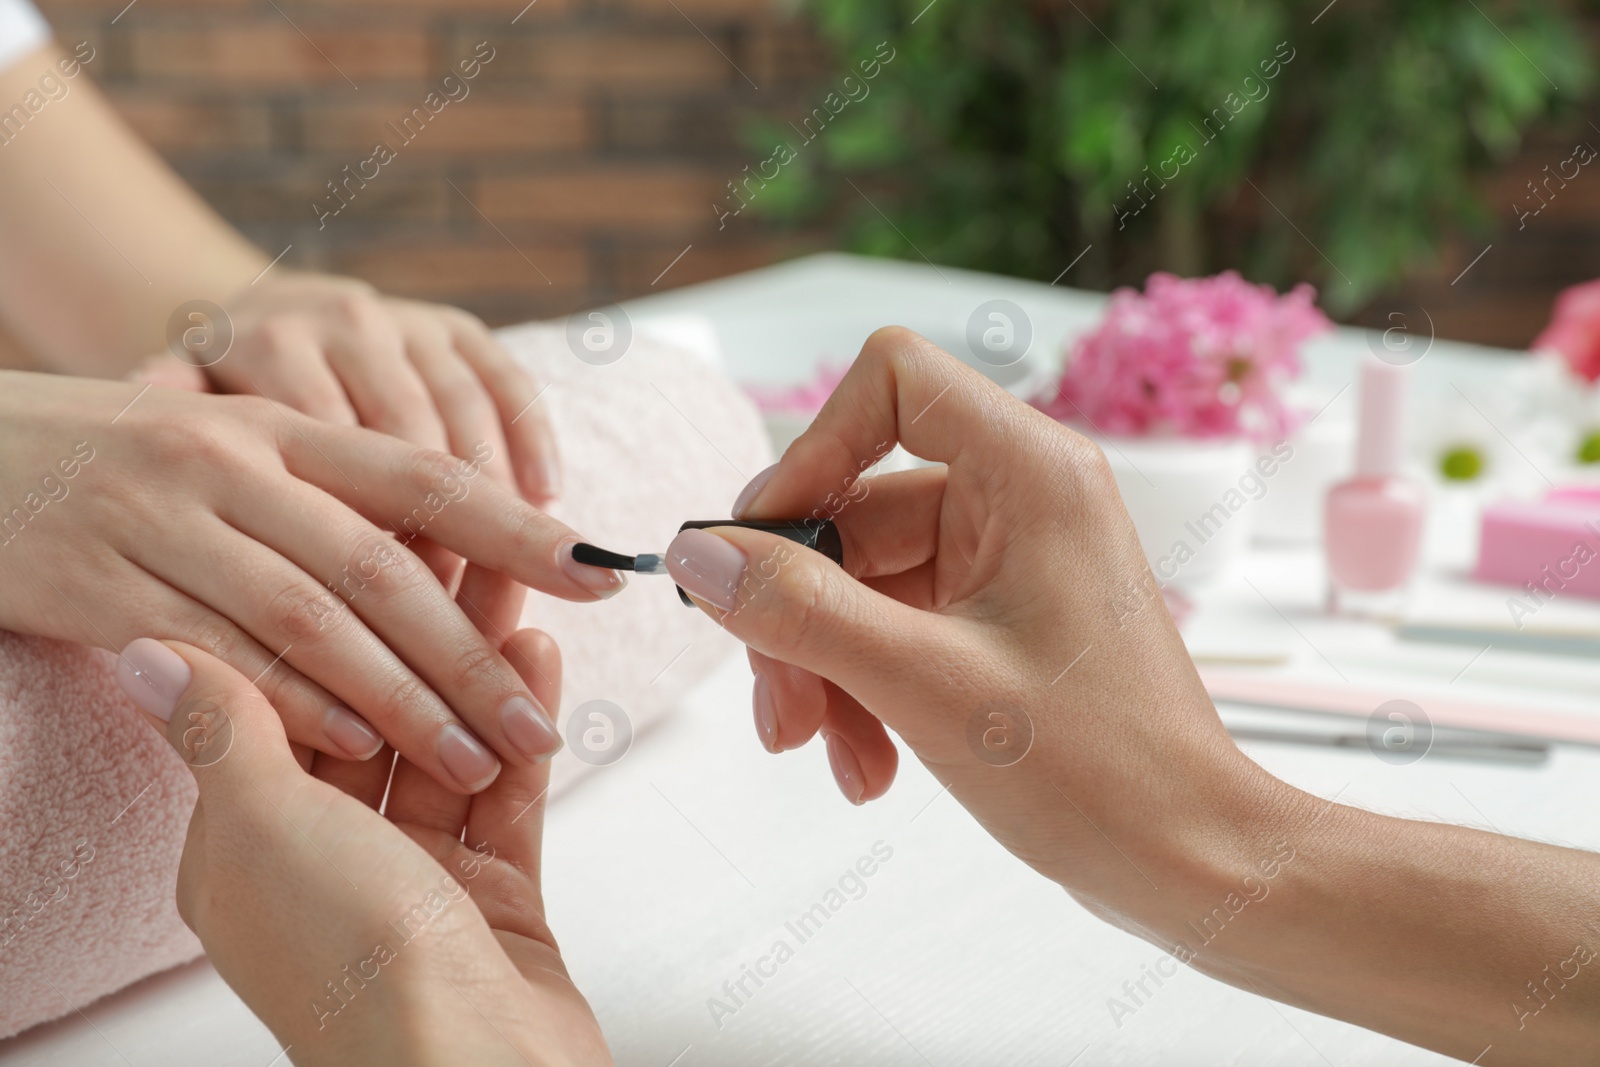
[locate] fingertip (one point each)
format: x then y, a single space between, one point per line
796 699
536 658
846 769
744 503
708 567
880 769
766 716
599 582
537 462
467 760
193 698
351 734
535 647
517 394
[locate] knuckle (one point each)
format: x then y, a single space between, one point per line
315 395
530 530
462 319
213 634
367 321
409 699
302 612
201 726
466 400
280 686
1086 463
198 441
278 334
475 667
361 311
255 410
428 470
808 613
888 342
377 565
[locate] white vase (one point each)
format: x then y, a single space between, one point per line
1192 501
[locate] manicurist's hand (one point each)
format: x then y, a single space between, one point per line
416 936
996 612
984 616
280 544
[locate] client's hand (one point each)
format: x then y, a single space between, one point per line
361 938
339 350
997 614
284 546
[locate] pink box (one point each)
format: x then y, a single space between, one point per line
1553 543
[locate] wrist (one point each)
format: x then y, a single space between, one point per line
433 1020
1189 855
1225 854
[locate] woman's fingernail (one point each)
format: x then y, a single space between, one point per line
846 769
471 764
748 494
766 714
601 582
351 733
529 729
707 567
153 675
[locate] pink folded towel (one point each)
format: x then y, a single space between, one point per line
95 806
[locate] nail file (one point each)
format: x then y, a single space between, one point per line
820 535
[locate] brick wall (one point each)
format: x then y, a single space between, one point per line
585 156
590 149
1504 297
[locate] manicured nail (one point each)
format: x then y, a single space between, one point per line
153 675
599 581
707 567
464 756
766 714
846 769
748 494
529 729
351 733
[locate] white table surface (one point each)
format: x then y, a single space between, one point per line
673 868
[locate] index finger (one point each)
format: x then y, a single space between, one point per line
419 492
902 389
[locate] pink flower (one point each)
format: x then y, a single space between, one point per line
1195 357
1574 330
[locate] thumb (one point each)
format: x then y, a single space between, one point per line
795 605
219 723
169 372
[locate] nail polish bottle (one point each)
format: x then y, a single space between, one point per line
1372 524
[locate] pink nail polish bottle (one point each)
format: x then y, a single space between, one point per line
1372 525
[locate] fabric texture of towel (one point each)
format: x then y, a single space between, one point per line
95 805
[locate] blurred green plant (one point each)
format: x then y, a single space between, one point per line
1007 135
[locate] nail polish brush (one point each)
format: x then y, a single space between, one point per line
820 535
